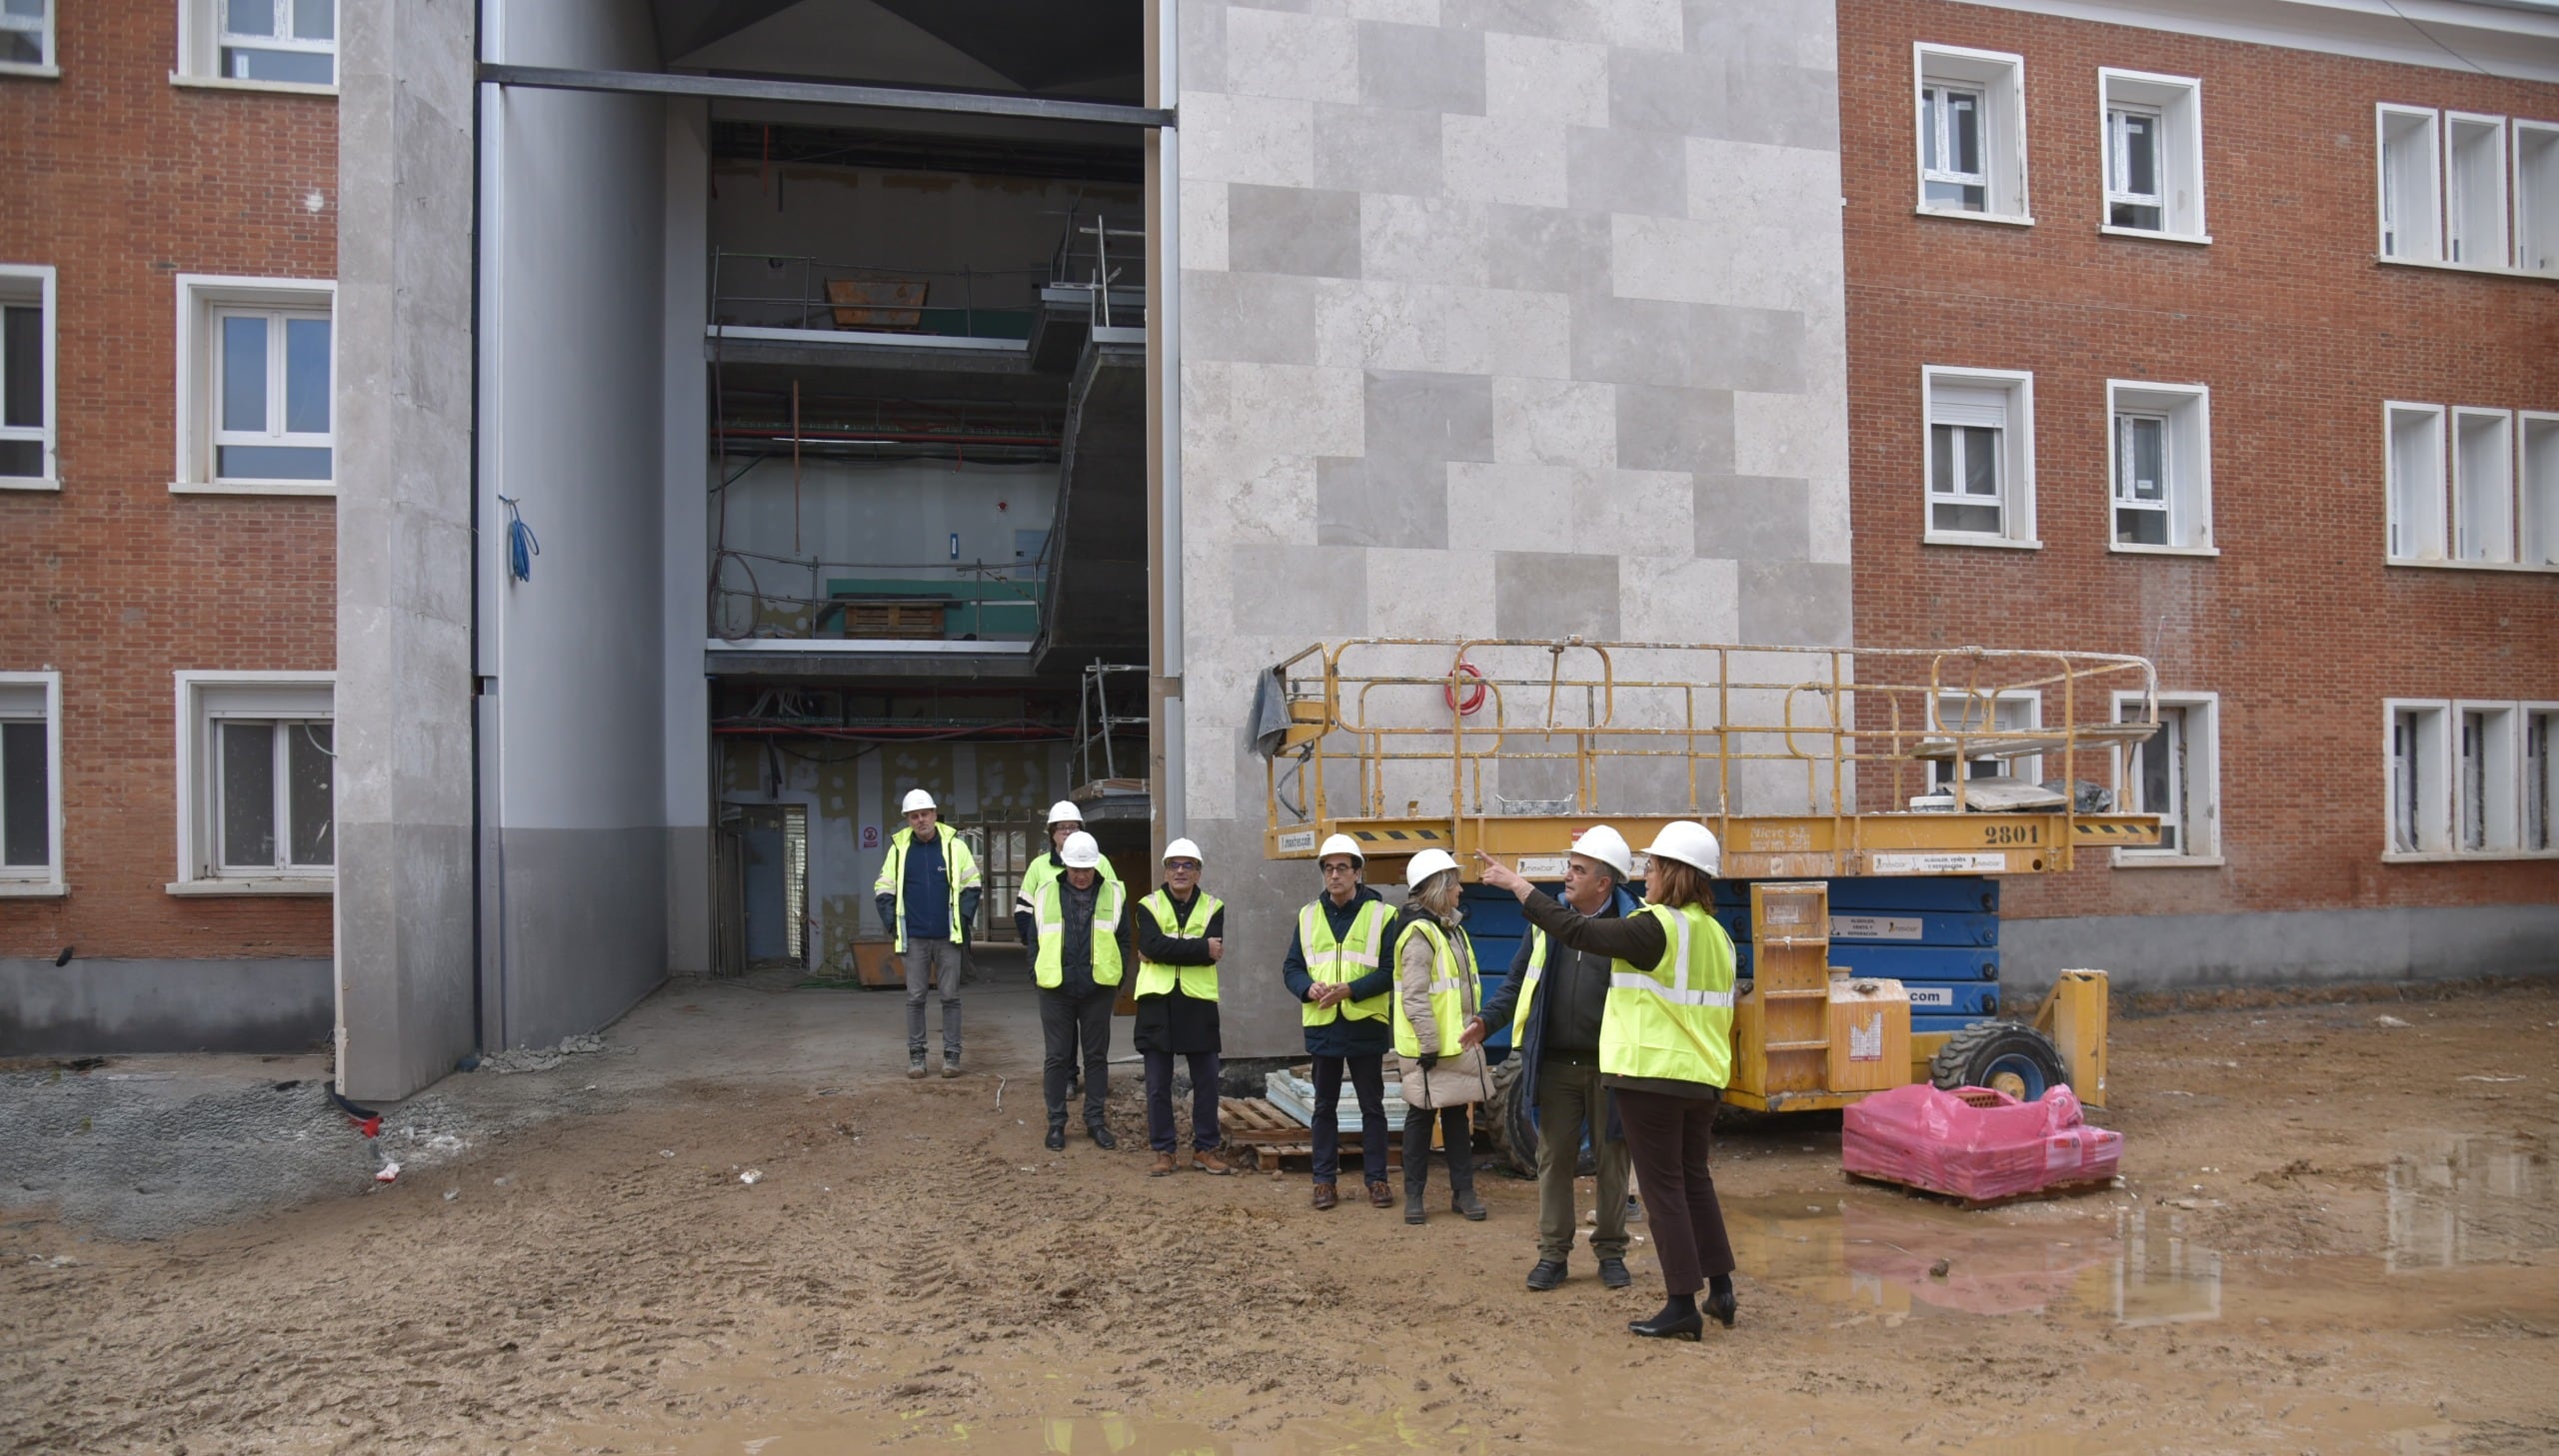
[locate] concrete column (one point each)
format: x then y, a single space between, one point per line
404 689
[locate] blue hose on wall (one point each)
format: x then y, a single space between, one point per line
522 544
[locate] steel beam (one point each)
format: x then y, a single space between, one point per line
826 93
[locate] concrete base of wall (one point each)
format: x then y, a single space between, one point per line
584 941
93 1008
2279 948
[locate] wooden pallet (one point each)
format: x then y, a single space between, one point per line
1253 1121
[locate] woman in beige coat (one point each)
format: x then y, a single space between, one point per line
1436 995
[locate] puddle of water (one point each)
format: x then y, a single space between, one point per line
2466 1200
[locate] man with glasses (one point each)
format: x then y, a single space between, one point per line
1182 936
1553 1002
1337 969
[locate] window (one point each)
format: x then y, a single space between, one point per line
2483 485
267 44
2418 810
1988 713
2161 461
2176 775
256 759
1980 426
26 36
1972 140
26 377
2537 197
2486 783
2538 460
2474 190
257 400
2411 211
2540 826
2415 468
30 783
2153 154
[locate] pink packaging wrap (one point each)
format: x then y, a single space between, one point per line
1975 1143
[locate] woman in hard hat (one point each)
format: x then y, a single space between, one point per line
1437 993
1182 936
1666 1053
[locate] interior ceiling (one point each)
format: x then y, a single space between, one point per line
1089 50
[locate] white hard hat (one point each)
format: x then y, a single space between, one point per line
1425 865
1181 849
1064 812
1690 843
1079 852
1607 846
917 798
1340 845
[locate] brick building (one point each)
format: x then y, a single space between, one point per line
168 592
2212 317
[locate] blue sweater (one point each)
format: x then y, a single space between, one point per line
1343 1036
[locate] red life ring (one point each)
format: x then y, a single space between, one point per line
1474 695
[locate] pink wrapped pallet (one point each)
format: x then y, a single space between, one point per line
1975 1143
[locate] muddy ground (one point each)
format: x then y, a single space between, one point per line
2336 1235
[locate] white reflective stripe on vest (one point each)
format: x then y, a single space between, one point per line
1355 959
1676 996
1100 923
1050 927
1449 984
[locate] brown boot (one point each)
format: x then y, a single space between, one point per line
1207 1161
1380 1195
1164 1166
1326 1195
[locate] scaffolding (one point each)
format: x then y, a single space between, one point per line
1803 760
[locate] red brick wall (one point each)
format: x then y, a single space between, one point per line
2300 334
121 181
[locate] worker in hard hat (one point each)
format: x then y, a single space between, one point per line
1064 819
928 894
1182 936
1438 992
1337 971
1666 1053
1553 1004
1077 970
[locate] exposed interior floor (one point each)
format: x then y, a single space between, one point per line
2337 1234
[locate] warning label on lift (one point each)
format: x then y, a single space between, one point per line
1297 841
1875 927
1941 863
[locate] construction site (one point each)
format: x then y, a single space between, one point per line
1223 455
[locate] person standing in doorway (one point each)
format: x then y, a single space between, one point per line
1554 1002
1438 992
928 894
1078 972
1337 969
1064 819
1665 1053
1182 936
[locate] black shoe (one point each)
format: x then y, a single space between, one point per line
1056 1138
1613 1273
1413 1212
1721 1308
1100 1136
1669 1324
1548 1274
1464 1201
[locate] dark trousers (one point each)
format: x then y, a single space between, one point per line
1671 1138
1204 1100
1067 1019
1457 1144
1368 1084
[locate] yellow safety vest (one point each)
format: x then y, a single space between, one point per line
1529 988
1049 970
959 870
1674 1021
1339 963
1452 982
1155 978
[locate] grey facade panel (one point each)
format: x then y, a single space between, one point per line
2281 947
96 1008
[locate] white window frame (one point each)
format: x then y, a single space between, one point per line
2177 104
2543 795
2027 768
2186 453
20 282
2483 530
2431 760
2017 460
2537 490
201 298
2199 815
200 35
2497 818
204 700
2534 154
51 65
2000 78
2406 541
2427 195
24 881
2494 250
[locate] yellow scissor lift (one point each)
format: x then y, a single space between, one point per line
1805 761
